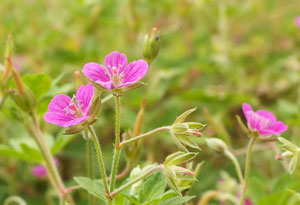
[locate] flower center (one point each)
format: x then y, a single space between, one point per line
74 108
114 75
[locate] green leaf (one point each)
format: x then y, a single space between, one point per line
40 84
7 151
61 141
94 187
131 198
177 200
167 195
152 187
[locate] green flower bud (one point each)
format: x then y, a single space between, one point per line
151 46
27 101
216 144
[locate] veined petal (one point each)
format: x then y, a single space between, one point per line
116 59
95 72
107 85
84 97
279 127
58 118
59 103
267 115
135 71
246 108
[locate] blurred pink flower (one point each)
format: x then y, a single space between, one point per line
40 171
65 111
247 201
297 21
116 73
263 121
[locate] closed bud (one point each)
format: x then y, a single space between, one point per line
151 46
216 144
179 158
95 107
27 102
8 63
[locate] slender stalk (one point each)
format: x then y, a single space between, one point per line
107 98
50 165
207 197
90 170
152 132
100 158
144 175
117 151
247 169
236 165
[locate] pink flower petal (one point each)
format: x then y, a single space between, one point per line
135 71
60 119
39 171
116 59
297 21
59 103
107 85
267 115
95 72
279 127
84 97
246 108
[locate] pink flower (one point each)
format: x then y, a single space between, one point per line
65 111
247 201
297 21
116 73
263 121
40 171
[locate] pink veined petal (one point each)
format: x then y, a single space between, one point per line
246 108
95 72
84 97
107 85
135 71
76 121
267 115
59 103
57 118
266 131
279 127
116 59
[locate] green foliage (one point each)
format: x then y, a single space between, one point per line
94 187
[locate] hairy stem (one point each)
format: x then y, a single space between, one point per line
117 150
100 158
90 170
50 165
152 132
236 165
247 169
144 175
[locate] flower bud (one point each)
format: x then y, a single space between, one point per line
151 46
216 144
179 158
95 107
78 80
27 102
8 63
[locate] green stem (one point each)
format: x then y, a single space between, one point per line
247 169
100 158
50 165
90 167
144 175
236 165
107 98
117 151
143 135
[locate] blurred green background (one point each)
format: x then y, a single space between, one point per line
214 55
